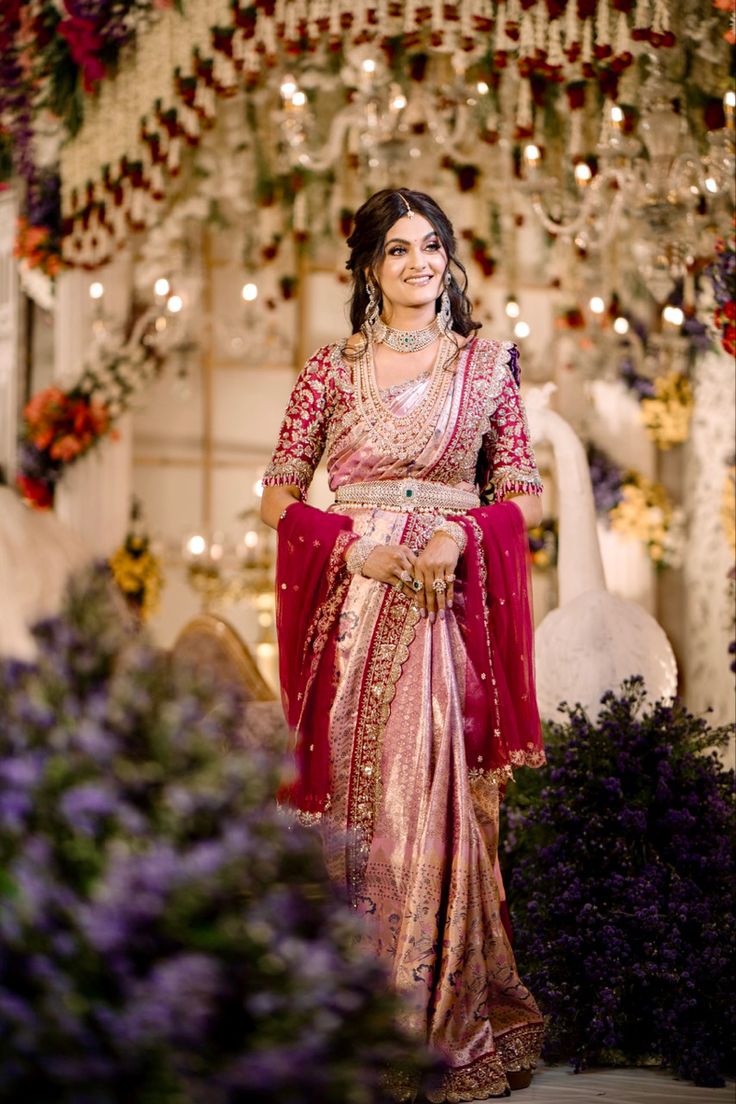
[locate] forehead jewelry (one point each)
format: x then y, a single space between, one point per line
409 212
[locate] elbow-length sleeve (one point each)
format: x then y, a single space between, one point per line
507 454
303 432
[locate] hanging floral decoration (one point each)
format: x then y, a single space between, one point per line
145 80
637 507
722 276
135 568
543 544
59 426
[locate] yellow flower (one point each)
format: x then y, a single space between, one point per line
138 574
644 513
667 415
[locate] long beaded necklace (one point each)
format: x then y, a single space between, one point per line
403 436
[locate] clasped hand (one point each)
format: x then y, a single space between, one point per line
398 566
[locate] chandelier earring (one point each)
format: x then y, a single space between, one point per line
444 318
372 309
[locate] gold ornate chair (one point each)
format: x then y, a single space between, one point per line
211 646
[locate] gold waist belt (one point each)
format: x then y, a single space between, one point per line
407 495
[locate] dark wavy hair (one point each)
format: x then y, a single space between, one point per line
372 223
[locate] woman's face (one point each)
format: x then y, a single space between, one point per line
412 267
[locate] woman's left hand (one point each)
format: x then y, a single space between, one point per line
437 561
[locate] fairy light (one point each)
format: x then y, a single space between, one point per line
162 287
249 292
299 99
513 310
583 173
96 290
621 325
288 88
521 329
729 100
482 88
673 315
617 115
597 305
174 304
711 185
398 103
532 154
369 65
196 544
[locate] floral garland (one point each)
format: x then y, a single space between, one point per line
637 507
722 276
59 426
135 568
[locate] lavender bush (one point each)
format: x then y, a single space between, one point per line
166 936
621 870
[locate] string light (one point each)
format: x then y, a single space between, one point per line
583 173
369 65
196 544
617 115
174 304
597 305
532 154
482 88
288 88
521 329
398 103
673 315
96 290
249 292
513 310
621 325
299 99
162 287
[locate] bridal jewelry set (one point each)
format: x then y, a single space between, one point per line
405 436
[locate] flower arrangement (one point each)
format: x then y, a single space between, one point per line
168 933
646 513
722 275
620 865
61 426
637 507
666 415
135 569
36 248
543 544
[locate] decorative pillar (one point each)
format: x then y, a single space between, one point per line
93 496
708 680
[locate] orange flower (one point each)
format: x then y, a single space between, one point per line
66 448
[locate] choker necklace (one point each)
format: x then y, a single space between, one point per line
406 341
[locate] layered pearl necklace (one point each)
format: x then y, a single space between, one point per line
402 436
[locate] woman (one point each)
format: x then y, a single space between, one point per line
405 633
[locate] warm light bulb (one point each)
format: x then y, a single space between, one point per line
532 153
513 310
398 103
521 329
174 304
369 65
673 315
711 185
729 100
482 87
299 99
597 305
96 290
162 287
583 173
617 115
249 292
196 544
250 540
288 88
621 325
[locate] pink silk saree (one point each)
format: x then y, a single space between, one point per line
406 730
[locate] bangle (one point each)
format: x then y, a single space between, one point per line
358 553
454 530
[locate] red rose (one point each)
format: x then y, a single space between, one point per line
729 310
36 492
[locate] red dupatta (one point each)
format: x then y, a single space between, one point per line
311 583
502 728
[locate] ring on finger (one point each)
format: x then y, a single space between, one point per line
439 585
405 576
450 578
417 585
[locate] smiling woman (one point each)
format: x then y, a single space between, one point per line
405 632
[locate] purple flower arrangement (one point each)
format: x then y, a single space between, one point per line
607 479
620 865
166 933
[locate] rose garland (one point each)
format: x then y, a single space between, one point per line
59 426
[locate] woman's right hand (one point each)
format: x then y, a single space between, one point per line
386 563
